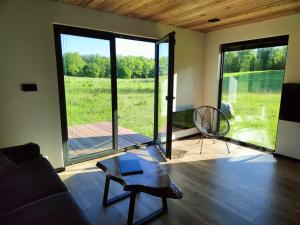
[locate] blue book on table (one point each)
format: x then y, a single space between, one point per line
130 167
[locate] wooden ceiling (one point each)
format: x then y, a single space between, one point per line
194 14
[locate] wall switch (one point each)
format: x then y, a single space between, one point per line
28 87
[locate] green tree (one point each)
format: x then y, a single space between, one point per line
263 59
246 58
235 64
231 62
123 70
163 66
252 62
278 56
98 66
148 68
138 68
91 70
73 63
271 58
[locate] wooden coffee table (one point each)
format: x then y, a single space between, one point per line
154 181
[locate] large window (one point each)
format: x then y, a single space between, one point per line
250 84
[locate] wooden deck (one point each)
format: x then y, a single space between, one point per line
92 138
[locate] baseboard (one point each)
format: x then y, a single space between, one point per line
60 169
184 133
286 157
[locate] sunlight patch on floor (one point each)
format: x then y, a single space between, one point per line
189 150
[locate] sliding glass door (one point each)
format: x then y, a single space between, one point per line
251 85
86 64
164 92
86 79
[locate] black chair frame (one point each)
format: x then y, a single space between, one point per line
212 135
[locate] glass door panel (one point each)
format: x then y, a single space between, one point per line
165 83
163 92
87 82
135 91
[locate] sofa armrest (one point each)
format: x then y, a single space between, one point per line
22 153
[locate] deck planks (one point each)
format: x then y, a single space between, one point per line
92 138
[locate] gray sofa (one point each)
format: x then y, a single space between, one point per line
31 193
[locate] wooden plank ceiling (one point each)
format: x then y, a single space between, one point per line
195 14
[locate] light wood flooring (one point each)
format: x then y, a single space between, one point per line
245 187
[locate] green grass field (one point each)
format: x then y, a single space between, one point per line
89 101
256 104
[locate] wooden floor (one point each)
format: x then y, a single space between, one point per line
242 188
92 138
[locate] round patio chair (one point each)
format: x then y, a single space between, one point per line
211 123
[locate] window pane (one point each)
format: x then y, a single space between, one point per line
251 92
88 94
163 90
135 84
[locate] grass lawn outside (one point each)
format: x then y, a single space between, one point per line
136 105
88 100
255 97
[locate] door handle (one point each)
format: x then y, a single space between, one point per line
167 98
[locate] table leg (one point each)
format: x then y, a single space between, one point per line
147 218
106 201
164 203
106 188
131 208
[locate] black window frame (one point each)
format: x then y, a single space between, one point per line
170 38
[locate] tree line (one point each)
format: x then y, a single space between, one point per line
255 59
97 66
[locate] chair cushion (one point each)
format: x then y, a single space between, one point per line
58 209
6 165
33 180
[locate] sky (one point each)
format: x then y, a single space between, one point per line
135 48
125 47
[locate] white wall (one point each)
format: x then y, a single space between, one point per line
285 25
288 139
27 55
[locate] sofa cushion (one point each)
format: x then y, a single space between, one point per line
6 166
21 153
33 180
58 209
